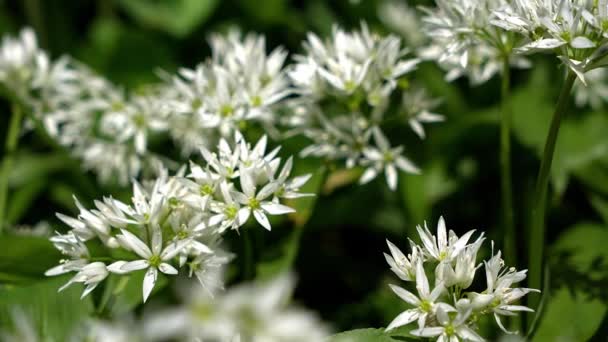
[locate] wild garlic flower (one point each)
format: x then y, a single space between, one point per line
20 62
242 84
450 310
176 222
254 312
345 86
575 30
463 41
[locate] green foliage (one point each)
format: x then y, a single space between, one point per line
576 308
25 258
373 335
53 316
176 17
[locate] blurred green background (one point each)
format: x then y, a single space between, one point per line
341 269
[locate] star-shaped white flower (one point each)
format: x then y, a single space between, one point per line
154 259
424 304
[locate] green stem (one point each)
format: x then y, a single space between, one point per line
506 180
12 137
537 233
505 166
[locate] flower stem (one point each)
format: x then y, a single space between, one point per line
12 138
506 181
537 233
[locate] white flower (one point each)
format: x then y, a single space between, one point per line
441 248
91 275
424 304
387 158
257 312
418 107
254 201
153 259
450 329
403 266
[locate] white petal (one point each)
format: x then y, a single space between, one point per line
404 318
167 269
262 219
149 282
276 208
173 248
405 295
391 176
243 215
581 42
368 175
428 332
133 243
134 265
406 165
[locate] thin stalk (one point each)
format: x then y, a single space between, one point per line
12 138
506 181
537 233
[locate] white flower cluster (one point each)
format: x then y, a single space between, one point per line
240 85
345 86
450 309
178 221
255 312
576 30
464 42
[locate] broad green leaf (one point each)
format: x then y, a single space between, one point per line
26 257
176 17
574 311
30 167
21 200
53 316
372 335
569 317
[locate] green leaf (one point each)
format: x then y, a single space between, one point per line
26 257
574 311
53 316
373 335
30 167
22 198
570 317
176 17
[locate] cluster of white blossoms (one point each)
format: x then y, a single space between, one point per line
345 86
240 85
575 30
177 222
256 312
465 43
450 309
338 95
